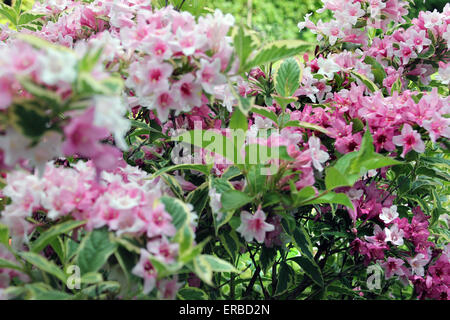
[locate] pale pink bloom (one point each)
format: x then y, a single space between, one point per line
389 214
417 40
209 75
437 127
6 92
146 270
154 75
409 139
189 91
164 101
158 47
444 72
254 226
82 137
215 202
327 67
318 156
392 266
188 42
160 222
163 249
418 263
394 235
406 52
168 288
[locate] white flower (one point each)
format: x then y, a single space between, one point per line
327 67
318 156
446 36
444 73
389 214
394 235
109 113
214 202
57 66
417 264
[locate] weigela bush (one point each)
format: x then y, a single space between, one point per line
160 152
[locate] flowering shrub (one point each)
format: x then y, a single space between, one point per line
162 152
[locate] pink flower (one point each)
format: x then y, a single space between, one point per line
160 223
82 137
164 101
409 139
254 226
168 288
189 91
146 270
209 75
155 77
163 249
437 127
392 266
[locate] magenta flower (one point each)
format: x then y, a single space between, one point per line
409 139
254 226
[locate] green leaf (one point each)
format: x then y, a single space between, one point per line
302 241
6 264
202 269
267 258
311 268
285 278
196 167
9 13
366 81
46 237
41 93
350 167
27 17
4 235
91 277
181 218
238 120
427 54
95 290
265 112
288 78
94 250
198 198
43 264
218 265
191 293
29 120
243 45
230 242
221 186
306 125
331 197
234 199
273 52
377 69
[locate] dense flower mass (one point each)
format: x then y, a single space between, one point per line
151 145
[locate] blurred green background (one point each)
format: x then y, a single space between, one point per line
277 19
